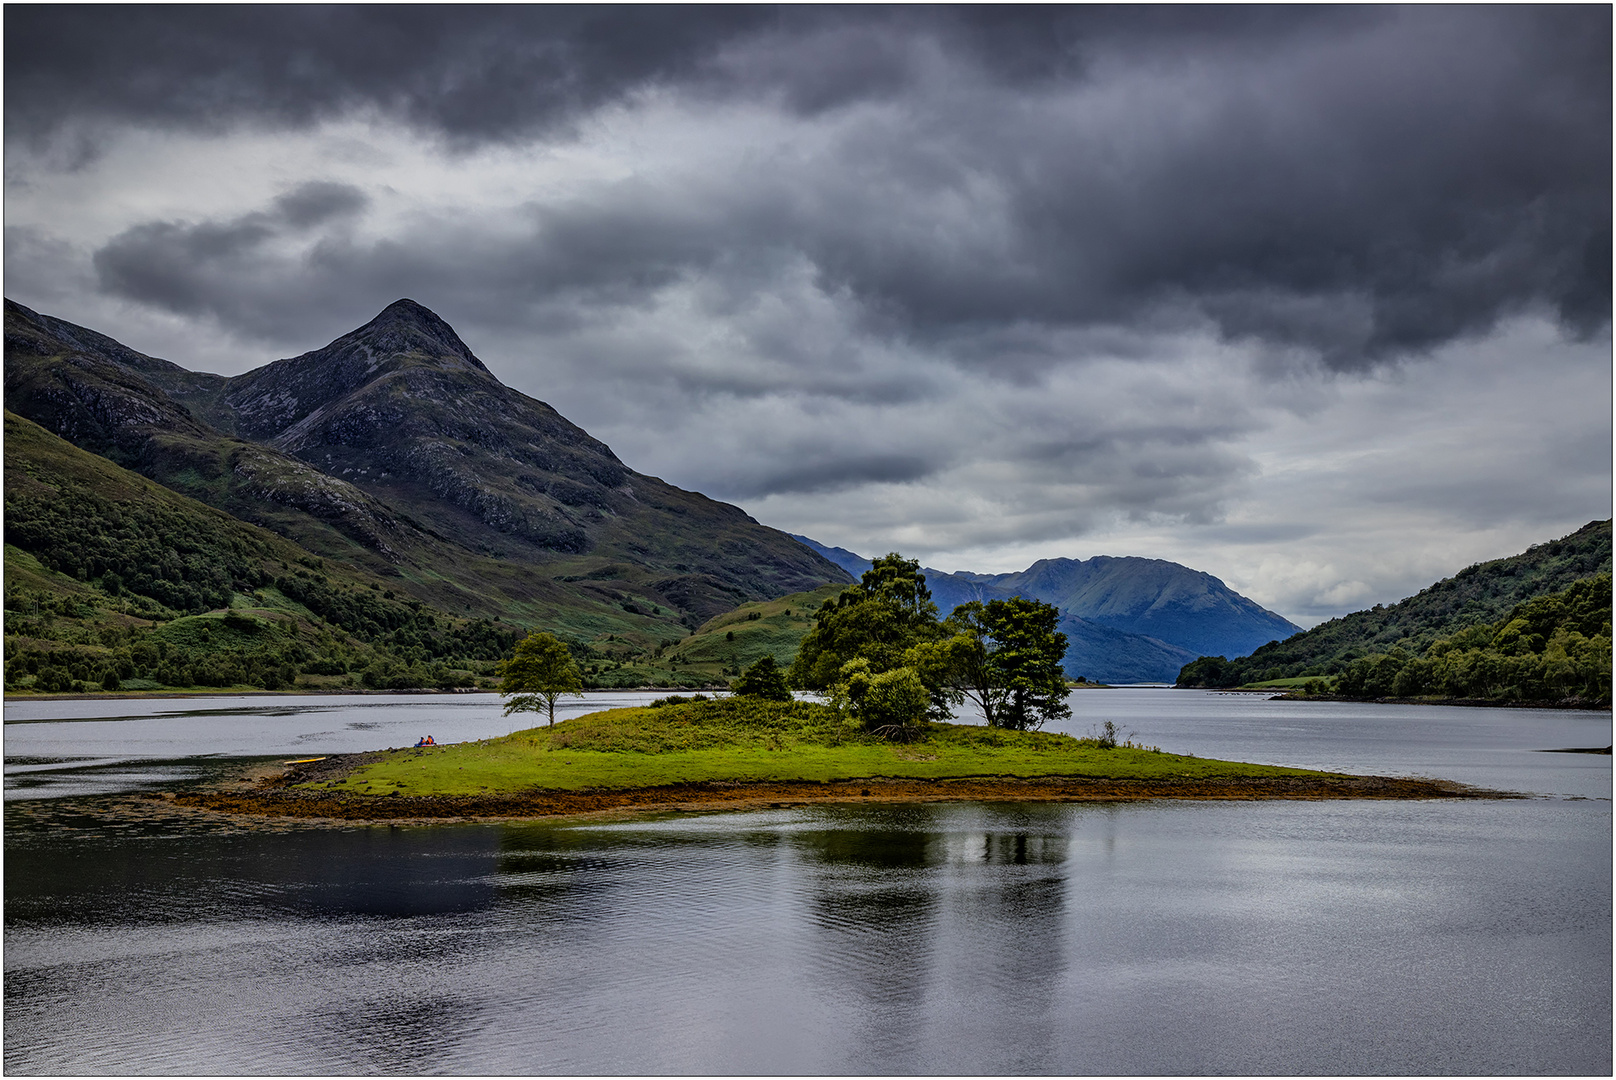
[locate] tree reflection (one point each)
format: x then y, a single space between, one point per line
872 917
907 920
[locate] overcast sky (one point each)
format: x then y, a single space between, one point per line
1316 300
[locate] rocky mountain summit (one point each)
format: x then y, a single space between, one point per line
129 407
394 446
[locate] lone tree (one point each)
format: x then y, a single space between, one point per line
541 670
763 679
1006 657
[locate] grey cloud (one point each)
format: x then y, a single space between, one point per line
471 73
221 268
319 201
1355 185
171 264
492 72
828 475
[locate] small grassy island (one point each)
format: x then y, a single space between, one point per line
891 674
746 751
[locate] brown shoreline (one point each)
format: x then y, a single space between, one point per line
273 796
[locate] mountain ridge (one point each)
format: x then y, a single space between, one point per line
394 447
1127 619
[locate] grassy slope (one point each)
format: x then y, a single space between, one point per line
48 612
1476 596
710 657
748 740
767 628
40 467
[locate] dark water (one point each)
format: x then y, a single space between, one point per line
1330 937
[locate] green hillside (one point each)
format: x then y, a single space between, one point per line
115 582
393 452
1551 648
1482 598
716 652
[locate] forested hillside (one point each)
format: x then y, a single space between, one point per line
1551 648
115 582
1454 638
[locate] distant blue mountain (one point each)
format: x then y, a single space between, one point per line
1125 619
856 565
1100 653
1153 597
948 591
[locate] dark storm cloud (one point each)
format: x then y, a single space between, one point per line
1353 184
493 72
319 201
823 471
475 73
1361 196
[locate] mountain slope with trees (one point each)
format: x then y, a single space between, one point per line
1455 613
1550 648
115 582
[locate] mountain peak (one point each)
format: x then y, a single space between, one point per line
405 341
406 326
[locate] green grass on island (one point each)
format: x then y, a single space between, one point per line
748 739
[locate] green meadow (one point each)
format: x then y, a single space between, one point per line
750 740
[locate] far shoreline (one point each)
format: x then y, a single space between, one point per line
1272 694
1477 703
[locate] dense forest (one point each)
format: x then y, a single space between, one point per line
1533 627
1548 649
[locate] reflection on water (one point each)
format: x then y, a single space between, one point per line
943 938
1265 937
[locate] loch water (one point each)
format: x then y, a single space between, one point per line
1329 937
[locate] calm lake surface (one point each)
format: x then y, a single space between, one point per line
1167 937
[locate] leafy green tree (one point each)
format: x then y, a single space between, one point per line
1209 672
763 679
878 620
888 703
1006 657
540 670
1547 648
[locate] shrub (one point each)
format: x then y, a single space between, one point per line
890 704
763 679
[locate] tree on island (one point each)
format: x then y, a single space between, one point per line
882 637
891 704
1006 657
541 670
763 679
878 620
